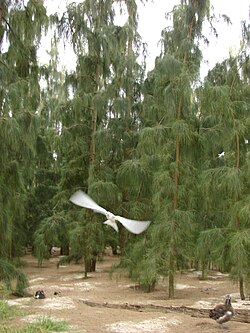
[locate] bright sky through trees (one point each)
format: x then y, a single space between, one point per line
152 19
228 36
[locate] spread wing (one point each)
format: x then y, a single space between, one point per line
82 199
134 226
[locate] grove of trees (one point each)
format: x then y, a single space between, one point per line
144 145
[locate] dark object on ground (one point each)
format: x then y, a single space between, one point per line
222 312
40 294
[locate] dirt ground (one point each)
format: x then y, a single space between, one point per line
69 296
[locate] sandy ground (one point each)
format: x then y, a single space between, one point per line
73 291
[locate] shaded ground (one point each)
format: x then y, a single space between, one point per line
73 292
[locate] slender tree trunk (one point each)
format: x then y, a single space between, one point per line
237 221
238 151
93 129
172 261
241 286
204 270
129 91
172 265
64 251
1 20
85 257
123 235
241 279
93 121
122 239
10 240
90 264
176 175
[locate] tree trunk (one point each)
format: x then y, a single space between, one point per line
64 250
122 239
129 88
90 264
171 276
172 245
241 286
86 260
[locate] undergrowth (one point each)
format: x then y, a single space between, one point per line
44 325
7 312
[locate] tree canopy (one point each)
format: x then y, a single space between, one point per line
164 145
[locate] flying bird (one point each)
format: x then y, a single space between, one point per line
222 312
82 199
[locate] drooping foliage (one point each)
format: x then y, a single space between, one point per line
102 119
19 122
226 176
167 147
168 140
13 278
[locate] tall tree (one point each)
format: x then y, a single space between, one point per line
170 133
20 33
46 226
89 25
22 27
226 121
105 106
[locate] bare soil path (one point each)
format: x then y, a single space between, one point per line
101 304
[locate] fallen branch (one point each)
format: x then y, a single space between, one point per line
241 315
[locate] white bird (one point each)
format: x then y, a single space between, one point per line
82 199
245 141
222 154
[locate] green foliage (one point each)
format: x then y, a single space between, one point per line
210 246
52 231
141 266
12 277
223 179
7 311
145 151
132 176
239 250
99 189
45 325
151 140
19 97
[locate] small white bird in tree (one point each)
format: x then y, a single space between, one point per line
222 154
83 200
